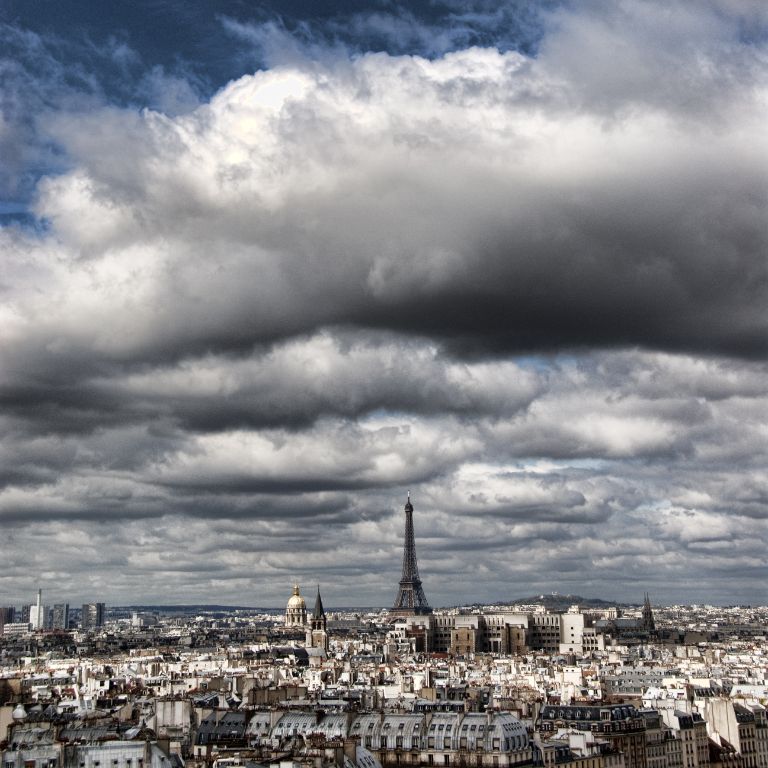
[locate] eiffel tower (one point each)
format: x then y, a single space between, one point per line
410 600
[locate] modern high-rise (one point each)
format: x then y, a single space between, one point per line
7 615
60 616
37 612
92 615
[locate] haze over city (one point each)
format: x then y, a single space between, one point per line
268 267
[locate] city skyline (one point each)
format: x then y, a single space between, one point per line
267 267
591 603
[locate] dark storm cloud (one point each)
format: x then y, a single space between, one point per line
440 203
290 386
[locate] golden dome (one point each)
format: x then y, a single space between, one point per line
296 601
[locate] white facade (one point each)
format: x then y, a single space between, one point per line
37 612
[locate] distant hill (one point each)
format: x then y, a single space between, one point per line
559 603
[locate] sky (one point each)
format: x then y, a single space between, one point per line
267 267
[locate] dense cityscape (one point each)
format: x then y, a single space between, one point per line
595 685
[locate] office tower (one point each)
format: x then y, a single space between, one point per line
92 615
37 612
60 616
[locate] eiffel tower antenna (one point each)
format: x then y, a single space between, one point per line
410 600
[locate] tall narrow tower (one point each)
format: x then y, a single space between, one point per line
648 622
410 600
317 632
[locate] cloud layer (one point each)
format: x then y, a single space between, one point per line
529 284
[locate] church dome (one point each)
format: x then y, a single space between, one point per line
296 600
296 610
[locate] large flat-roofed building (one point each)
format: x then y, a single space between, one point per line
502 633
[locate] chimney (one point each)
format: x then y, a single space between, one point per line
350 749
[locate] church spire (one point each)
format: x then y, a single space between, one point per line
319 612
648 622
317 632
